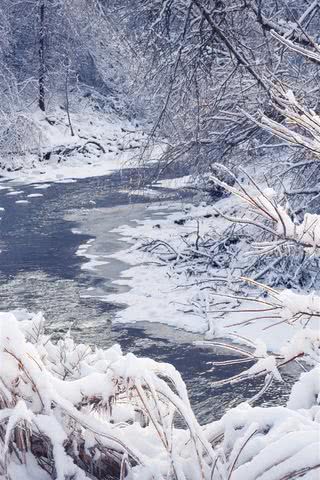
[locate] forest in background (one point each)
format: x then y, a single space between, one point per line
206 74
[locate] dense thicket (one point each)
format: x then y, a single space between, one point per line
207 61
56 56
200 70
47 41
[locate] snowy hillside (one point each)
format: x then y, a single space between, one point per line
100 143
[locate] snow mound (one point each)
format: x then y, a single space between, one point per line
71 411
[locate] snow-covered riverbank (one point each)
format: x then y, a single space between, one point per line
162 290
87 386
100 144
120 412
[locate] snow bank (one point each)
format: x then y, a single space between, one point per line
101 144
171 281
71 411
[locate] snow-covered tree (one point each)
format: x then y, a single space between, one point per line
206 61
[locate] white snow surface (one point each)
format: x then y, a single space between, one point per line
175 183
127 404
35 195
157 294
120 138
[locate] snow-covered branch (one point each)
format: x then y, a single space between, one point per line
274 219
70 411
82 410
303 124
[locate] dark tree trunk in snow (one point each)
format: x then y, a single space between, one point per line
41 58
67 102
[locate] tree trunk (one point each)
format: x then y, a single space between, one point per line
67 101
41 78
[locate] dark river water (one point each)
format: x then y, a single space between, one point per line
39 270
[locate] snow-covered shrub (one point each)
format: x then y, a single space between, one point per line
282 243
19 135
70 411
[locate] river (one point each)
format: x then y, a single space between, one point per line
40 270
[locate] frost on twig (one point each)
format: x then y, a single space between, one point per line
298 311
274 219
302 125
289 306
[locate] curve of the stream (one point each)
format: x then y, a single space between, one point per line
40 270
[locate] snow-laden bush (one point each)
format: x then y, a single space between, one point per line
75 409
19 135
69 411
